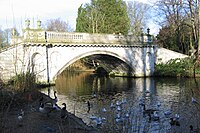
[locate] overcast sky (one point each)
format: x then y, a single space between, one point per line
15 12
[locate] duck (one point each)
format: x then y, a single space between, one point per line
147 91
118 115
56 107
94 95
158 104
112 105
104 110
155 116
97 120
45 109
192 130
194 101
89 106
52 101
20 115
55 100
118 118
177 116
148 111
93 117
124 101
63 113
127 115
141 101
119 108
174 122
167 113
118 103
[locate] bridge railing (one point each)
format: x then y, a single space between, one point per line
65 37
41 36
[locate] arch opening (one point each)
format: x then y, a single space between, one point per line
111 64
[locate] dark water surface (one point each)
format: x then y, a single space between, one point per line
116 103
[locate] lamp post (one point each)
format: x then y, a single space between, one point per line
142 36
148 36
47 57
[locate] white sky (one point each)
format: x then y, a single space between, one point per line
15 12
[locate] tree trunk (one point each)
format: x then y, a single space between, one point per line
198 48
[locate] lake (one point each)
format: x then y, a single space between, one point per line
117 103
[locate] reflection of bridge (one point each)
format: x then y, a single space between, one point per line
49 53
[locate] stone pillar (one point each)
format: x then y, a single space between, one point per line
39 24
27 23
13 32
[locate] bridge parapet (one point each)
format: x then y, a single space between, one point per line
42 36
66 37
34 35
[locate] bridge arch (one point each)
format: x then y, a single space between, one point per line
96 52
34 60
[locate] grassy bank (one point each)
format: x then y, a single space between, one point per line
16 97
178 68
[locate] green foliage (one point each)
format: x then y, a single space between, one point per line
103 16
82 19
24 81
176 67
175 39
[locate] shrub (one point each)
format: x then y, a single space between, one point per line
176 67
24 81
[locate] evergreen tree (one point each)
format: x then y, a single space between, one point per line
103 16
82 21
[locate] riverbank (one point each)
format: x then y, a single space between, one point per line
34 121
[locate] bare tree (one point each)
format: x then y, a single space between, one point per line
2 39
174 15
58 25
97 19
138 14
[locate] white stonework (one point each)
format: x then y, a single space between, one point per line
30 53
164 55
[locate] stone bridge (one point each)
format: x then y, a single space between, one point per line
47 54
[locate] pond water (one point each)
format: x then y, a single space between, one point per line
117 103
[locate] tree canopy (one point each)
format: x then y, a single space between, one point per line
103 16
58 25
180 25
139 13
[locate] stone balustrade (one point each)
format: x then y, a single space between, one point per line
41 36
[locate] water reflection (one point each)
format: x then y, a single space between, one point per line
116 104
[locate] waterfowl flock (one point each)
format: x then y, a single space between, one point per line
120 114
49 105
143 114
